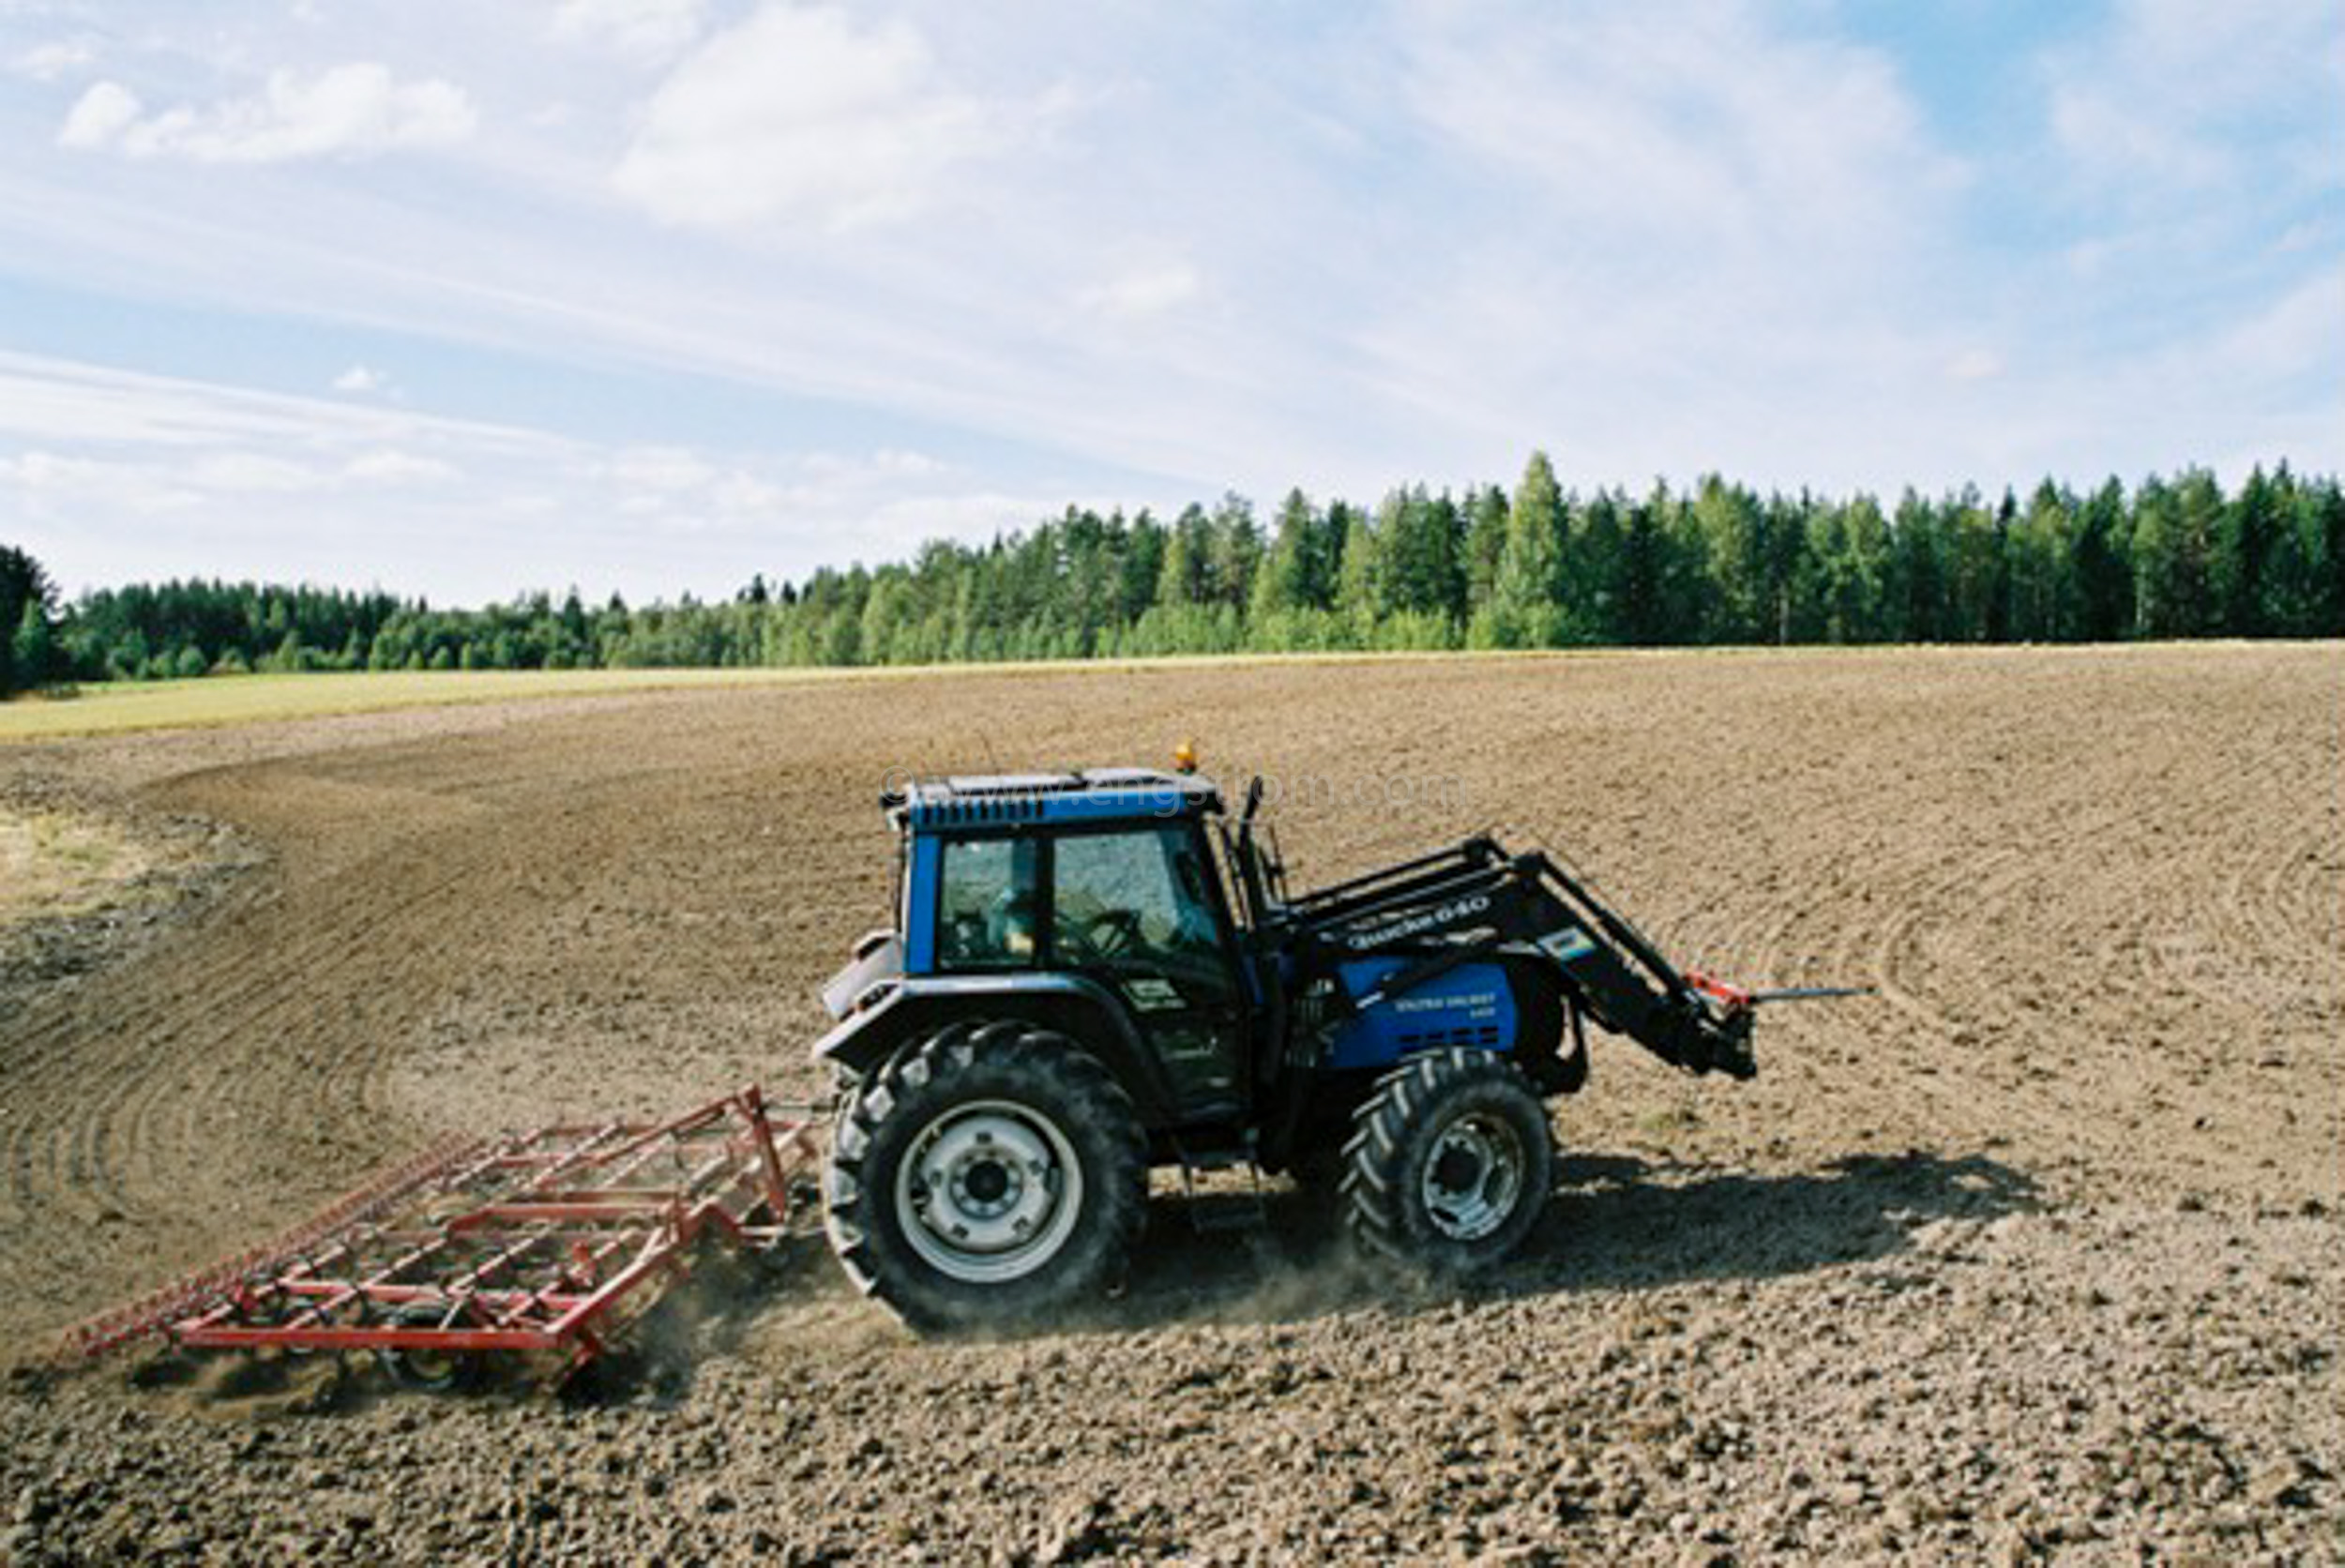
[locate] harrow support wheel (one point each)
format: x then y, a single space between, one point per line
1449 1164
994 1175
428 1368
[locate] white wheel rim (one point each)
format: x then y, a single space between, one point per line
1473 1177
988 1192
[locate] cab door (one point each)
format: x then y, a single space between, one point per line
1136 910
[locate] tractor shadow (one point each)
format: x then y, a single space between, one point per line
1620 1223
1617 1222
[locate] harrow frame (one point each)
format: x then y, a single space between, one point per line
548 1242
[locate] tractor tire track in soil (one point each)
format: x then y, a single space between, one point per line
2035 1254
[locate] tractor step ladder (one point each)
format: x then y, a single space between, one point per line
1222 1211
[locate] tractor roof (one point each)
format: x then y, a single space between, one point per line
1092 795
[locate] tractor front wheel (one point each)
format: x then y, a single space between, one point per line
1449 1164
992 1177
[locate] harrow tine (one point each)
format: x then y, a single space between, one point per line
546 1240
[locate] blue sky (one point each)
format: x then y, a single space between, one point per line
652 295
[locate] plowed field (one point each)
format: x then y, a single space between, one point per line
2036 1253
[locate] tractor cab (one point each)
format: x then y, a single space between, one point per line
1095 898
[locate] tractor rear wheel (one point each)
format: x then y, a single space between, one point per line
1449 1164
995 1175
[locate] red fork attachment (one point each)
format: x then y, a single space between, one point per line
546 1241
1733 998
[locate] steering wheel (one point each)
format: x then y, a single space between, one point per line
1110 934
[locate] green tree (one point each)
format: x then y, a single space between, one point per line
1788 570
1917 591
1285 581
2319 556
1644 618
1359 588
1871 555
1185 576
33 651
1592 569
1541 567
1852 551
1975 579
1733 528
1424 540
2044 597
23 584
1485 542
2099 566
887 612
1998 592
2249 532
575 641
2174 530
1141 566
1690 592
1526 586
1234 553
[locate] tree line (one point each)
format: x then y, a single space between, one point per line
1541 568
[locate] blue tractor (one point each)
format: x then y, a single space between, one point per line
1096 972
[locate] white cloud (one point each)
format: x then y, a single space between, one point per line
361 380
1975 364
1718 132
803 116
110 476
666 469
76 492
2296 337
36 470
745 495
1670 249
645 31
676 487
2175 93
1408 247
251 472
48 62
1145 292
386 466
895 461
100 115
344 111
2111 138
46 401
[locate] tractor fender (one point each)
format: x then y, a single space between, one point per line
1547 1041
1078 1007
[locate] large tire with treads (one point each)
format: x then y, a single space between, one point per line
1449 1167
992 1177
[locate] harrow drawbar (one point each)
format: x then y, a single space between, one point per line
544 1242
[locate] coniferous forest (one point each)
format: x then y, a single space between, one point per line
2173 557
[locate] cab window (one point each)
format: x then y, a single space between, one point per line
1137 902
988 905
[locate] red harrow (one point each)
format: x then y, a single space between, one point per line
544 1242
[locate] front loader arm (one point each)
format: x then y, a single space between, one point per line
1475 902
1630 987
